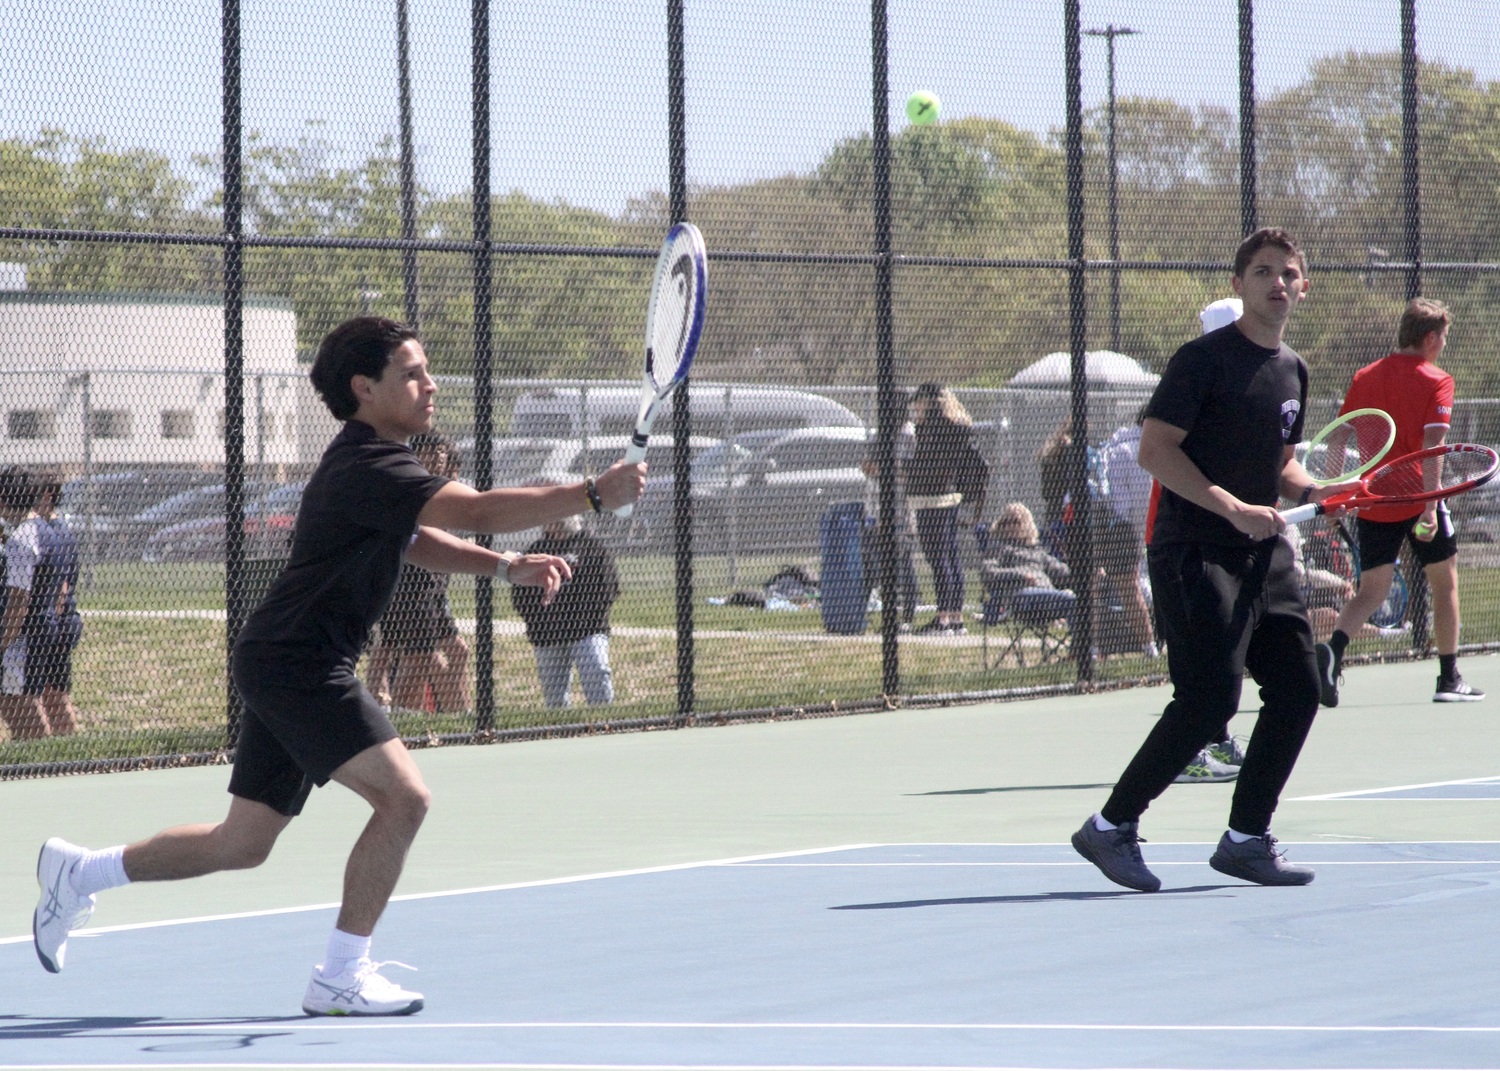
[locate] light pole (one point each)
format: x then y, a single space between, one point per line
1109 33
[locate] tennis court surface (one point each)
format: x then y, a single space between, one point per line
883 891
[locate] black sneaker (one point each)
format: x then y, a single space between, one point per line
1456 690
1258 860
1117 854
1328 675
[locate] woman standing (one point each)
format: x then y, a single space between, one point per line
945 470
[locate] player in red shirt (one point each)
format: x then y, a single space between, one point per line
1419 397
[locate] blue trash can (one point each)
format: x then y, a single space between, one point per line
841 581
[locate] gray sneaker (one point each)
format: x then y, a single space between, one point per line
1456 690
1258 860
1117 854
1229 752
1206 769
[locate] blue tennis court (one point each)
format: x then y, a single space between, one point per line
883 891
881 956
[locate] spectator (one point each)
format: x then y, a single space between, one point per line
1014 558
945 470
20 699
416 652
574 629
1059 462
58 635
1119 519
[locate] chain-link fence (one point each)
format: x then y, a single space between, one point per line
172 248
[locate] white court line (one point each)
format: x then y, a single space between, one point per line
1154 863
346 1025
97 930
1367 793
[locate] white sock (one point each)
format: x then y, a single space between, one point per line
1239 838
343 949
1102 825
97 871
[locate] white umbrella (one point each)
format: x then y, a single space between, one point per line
1104 369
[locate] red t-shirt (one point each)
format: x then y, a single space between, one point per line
1417 394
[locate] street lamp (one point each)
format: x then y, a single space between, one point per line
1109 33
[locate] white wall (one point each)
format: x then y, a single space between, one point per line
150 369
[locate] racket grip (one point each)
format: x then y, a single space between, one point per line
1302 513
635 453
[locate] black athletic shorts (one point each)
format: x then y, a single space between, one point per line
1380 541
49 665
303 718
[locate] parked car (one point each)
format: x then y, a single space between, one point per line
764 491
132 535
516 460
269 521
97 507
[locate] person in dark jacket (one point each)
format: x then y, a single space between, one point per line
574 629
945 471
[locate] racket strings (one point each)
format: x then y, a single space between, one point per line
1354 445
1422 474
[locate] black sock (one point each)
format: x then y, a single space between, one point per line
1448 666
1338 641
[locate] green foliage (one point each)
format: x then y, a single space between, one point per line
1329 156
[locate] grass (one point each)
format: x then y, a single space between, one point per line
157 685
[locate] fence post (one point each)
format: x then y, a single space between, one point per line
1081 547
1248 210
234 358
682 416
484 387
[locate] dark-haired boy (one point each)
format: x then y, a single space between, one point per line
1219 436
307 718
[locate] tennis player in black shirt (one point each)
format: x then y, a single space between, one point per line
1219 436
307 718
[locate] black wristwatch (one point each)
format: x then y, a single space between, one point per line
1307 493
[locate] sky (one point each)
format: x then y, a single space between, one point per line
579 88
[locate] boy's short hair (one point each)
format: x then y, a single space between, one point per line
18 491
1421 317
1272 236
358 347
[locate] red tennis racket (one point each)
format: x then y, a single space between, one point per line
1440 472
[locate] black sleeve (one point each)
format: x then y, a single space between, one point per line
390 490
1184 385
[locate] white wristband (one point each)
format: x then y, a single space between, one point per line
502 567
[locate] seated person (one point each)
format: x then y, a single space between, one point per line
1014 558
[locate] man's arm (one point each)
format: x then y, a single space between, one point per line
439 552
1161 455
515 509
1426 529
15 613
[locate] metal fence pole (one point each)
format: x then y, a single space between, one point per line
682 417
235 593
1248 210
886 402
1411 180
1082 545
408 178
484 388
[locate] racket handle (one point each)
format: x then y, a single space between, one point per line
635 453
1302 513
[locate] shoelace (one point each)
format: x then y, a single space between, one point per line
1132 839
368 967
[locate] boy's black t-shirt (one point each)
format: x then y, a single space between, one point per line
357 519
1241 406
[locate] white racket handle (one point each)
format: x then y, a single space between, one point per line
635 453
1298 514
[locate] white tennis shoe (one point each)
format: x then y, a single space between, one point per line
60 910
359 990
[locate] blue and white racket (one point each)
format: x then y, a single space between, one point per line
674 321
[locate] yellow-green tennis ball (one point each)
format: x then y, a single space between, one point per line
922 108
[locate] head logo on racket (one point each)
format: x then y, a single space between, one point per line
674 323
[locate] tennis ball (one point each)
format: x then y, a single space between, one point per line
922 107
1424 530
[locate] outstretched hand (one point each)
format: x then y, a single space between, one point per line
544 571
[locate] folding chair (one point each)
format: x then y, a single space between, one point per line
1031 617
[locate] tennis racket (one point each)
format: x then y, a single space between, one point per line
674 320
1441 472
1350 446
